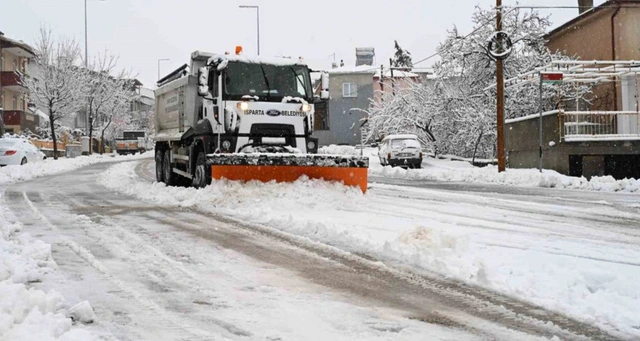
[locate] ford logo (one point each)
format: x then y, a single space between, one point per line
273 112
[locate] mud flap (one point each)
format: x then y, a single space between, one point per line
350 170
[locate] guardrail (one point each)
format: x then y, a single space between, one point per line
599 125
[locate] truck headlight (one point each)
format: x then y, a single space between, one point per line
311 145
306 107
226 145
243 105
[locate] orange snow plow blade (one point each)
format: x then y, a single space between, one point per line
351 171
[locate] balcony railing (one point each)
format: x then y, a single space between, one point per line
600 125
10 78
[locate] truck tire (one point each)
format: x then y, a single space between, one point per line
169 177
159 166
201 177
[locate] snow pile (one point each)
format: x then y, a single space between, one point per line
10 174
458 171
27 313
339 150
560 264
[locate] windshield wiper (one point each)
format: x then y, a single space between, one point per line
266 82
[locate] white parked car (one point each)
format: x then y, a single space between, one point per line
18 152
400 150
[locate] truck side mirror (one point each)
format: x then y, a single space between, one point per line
324 79
203 81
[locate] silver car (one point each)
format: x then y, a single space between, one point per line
400 150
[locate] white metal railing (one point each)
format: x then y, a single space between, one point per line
600 125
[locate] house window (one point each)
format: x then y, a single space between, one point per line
350 89
15 102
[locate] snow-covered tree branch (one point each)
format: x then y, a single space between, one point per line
57 83
455 112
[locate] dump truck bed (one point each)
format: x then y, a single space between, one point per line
176 105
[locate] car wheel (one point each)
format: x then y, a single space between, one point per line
168 176
418 165
24 161
201 177
159 166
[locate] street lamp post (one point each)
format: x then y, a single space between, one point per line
258 22
161 60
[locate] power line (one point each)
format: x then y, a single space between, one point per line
576 7
489 21
512 8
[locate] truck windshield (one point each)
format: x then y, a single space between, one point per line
267 81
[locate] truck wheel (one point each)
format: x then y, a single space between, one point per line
169 177
159 166
201 177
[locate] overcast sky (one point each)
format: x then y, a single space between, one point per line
142 31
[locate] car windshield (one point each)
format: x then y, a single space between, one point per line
405 143
267 81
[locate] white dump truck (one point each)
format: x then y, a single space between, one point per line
242 118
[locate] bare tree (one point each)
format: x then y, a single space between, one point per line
99 84
117 107
57 85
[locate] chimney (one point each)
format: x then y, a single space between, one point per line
584 5
364 55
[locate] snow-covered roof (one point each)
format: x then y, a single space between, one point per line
396 74
258 59
146 92
366 69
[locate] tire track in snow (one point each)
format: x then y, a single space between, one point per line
195 334
479 303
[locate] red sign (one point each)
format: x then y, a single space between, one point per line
552 77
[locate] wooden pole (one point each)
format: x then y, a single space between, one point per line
500 94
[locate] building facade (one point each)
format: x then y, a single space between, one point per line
14 97
351 90
601 137
607 32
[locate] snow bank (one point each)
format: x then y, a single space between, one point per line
339 150
27 313
10 174
550 263
460 171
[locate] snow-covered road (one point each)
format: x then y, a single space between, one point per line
164 272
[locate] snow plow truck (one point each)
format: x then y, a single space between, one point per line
243 118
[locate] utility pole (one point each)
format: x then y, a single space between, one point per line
393 80
500 94
382 79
